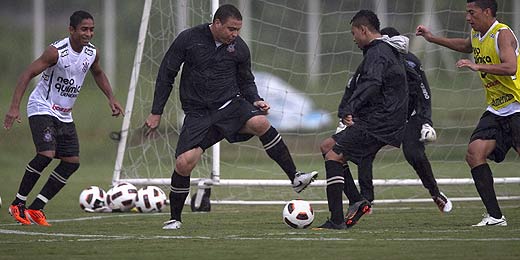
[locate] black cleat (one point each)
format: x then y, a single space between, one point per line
356 211
330 225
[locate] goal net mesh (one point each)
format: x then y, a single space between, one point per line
303 55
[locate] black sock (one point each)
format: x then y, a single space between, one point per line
278 151
365 178
484 183
335 183
56 181
33 171
179 189
350 188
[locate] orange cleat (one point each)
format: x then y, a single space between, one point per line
37 216
19 214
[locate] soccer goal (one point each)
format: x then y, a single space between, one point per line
303 55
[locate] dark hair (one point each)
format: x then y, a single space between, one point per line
366 18
390 31
78 16
484 4
226 11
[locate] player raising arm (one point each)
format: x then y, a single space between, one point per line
496 58
63 67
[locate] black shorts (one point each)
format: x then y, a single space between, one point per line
50 134
205 128
356 144
505 130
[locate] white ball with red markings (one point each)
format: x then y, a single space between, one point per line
298 214
92 198
122 197
150 199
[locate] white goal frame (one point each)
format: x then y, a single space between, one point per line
215 178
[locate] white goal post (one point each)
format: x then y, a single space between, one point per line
309 47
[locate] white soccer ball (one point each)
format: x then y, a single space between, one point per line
298 214
150 199
122 197
92 198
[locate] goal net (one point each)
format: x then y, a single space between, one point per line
302 56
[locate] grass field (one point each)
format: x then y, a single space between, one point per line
393 231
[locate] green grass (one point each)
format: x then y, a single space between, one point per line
393 231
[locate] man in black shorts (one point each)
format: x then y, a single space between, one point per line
418 132
63 66
374 109
496 58
220 100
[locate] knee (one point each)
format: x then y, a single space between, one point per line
184 164
66 169
471 157
327 145
258 125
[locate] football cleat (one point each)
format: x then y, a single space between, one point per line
491 221
172 224
330 225
303 179
37 216
443 203
19 213
356 211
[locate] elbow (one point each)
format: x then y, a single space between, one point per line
512 71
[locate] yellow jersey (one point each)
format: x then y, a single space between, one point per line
501 91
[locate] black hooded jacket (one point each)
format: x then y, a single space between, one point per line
377 94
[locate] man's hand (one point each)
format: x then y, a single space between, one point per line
11 116
428 134
421 30
348 121
262 105
465 63
151 124
116 108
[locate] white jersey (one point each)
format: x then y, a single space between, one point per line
59 85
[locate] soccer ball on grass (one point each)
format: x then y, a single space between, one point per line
92 198
298 214
122 197
150 199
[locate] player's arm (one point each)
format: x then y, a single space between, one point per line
47 59
507 45
168 70
456 44
102 82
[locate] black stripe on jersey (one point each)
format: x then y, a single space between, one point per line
50 84
63 46
91 46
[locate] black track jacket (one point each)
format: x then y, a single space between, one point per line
210 75
377 94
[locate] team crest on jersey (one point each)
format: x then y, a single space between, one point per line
85 66
45 77
47 135
64 53
492 36
231 47
89 51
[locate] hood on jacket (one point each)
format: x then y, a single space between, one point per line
399 42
